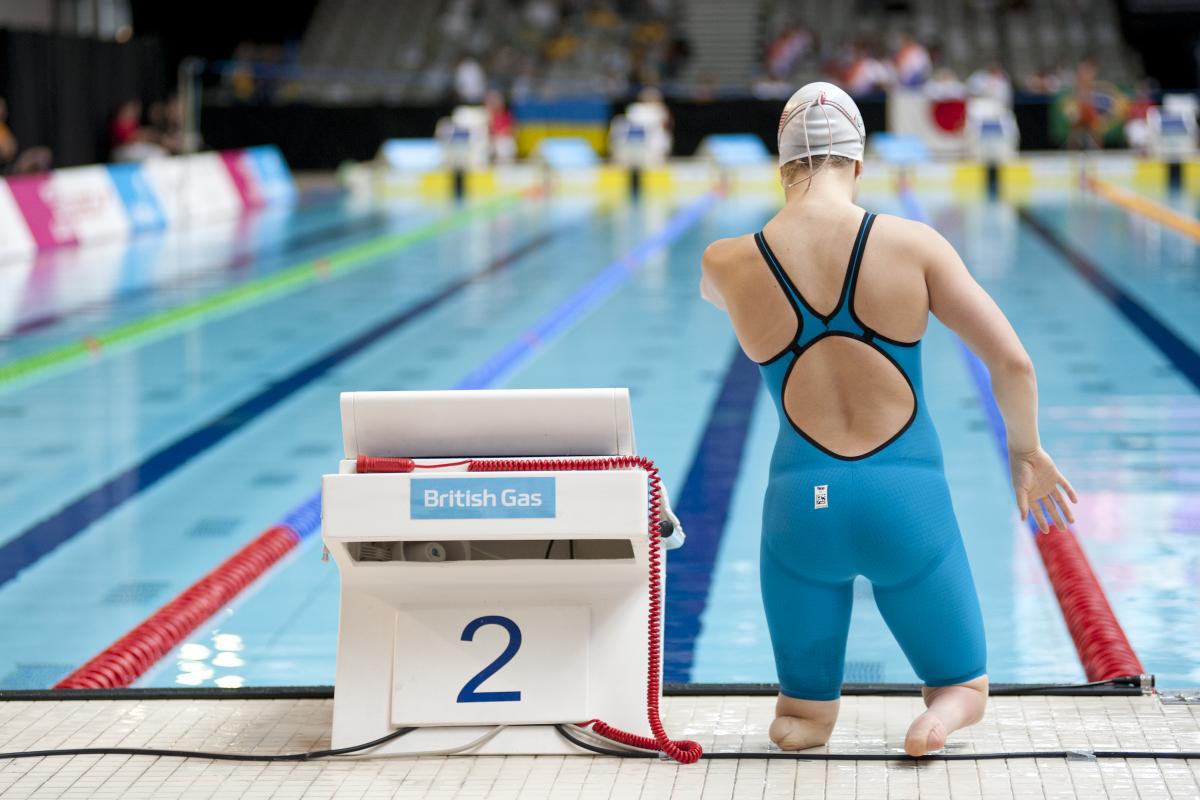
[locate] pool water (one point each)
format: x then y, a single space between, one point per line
136 462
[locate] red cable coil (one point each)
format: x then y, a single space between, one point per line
384 464
395 464
1104 650
682 750
126 659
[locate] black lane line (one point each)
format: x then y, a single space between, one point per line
1181 355
703 508
43 537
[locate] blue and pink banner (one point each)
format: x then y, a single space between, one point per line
97 203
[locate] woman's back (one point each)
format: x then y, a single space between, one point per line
832 302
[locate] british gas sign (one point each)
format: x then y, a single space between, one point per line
482 498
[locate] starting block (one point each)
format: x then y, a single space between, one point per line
479 589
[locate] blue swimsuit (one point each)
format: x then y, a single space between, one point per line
884 514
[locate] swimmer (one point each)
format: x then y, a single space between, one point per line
856 483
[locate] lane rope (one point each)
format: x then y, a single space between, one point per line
1104 650
1131 201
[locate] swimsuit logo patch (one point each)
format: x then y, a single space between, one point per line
821 496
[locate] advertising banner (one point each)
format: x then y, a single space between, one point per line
15 239
71 206
142 206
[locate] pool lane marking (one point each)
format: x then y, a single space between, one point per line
372 222
254 291
1181 355
1131 201
530 342
38 540
173 622
703 506
1099 639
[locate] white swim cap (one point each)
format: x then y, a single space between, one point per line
820 120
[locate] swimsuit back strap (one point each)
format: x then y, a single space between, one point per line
785 283
854 268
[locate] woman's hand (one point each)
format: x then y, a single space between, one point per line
1039 486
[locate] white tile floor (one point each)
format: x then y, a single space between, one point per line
868 724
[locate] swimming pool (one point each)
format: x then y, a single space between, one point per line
138 461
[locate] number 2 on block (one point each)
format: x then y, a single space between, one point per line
469 693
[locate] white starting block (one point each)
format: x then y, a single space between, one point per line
992 135
471 600
465 138
1173 132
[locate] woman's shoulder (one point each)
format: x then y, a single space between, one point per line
908 238
724 255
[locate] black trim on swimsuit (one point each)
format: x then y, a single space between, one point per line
781 279
912 390
854 314
869 336
790 287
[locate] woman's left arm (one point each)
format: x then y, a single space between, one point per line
710 267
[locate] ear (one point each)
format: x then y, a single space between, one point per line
858 169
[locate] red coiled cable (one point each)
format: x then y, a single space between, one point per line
682 750
393 464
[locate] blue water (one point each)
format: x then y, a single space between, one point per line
1120 417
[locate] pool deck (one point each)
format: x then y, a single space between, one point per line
868 724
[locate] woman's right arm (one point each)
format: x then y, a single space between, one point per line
958 301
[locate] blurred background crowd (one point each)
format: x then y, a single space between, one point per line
1084 71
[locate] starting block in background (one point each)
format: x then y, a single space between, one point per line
476 599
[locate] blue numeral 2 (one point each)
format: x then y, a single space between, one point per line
468 694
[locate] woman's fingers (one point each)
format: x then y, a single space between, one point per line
1048 504
1039 515
1023 503
1064 483
1064 505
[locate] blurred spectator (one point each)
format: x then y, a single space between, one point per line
128 140
15 161
913 64
866 73
561 46
500 127
1137 131
786 50
238 75
525 82
8 142
165 118
992 82
456 20
470 83
706 88
769 88
679 52
542 14
945 85
1043 82
1084 116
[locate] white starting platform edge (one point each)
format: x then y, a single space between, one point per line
471 600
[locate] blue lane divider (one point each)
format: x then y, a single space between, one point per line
703 508
42 537
510 358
